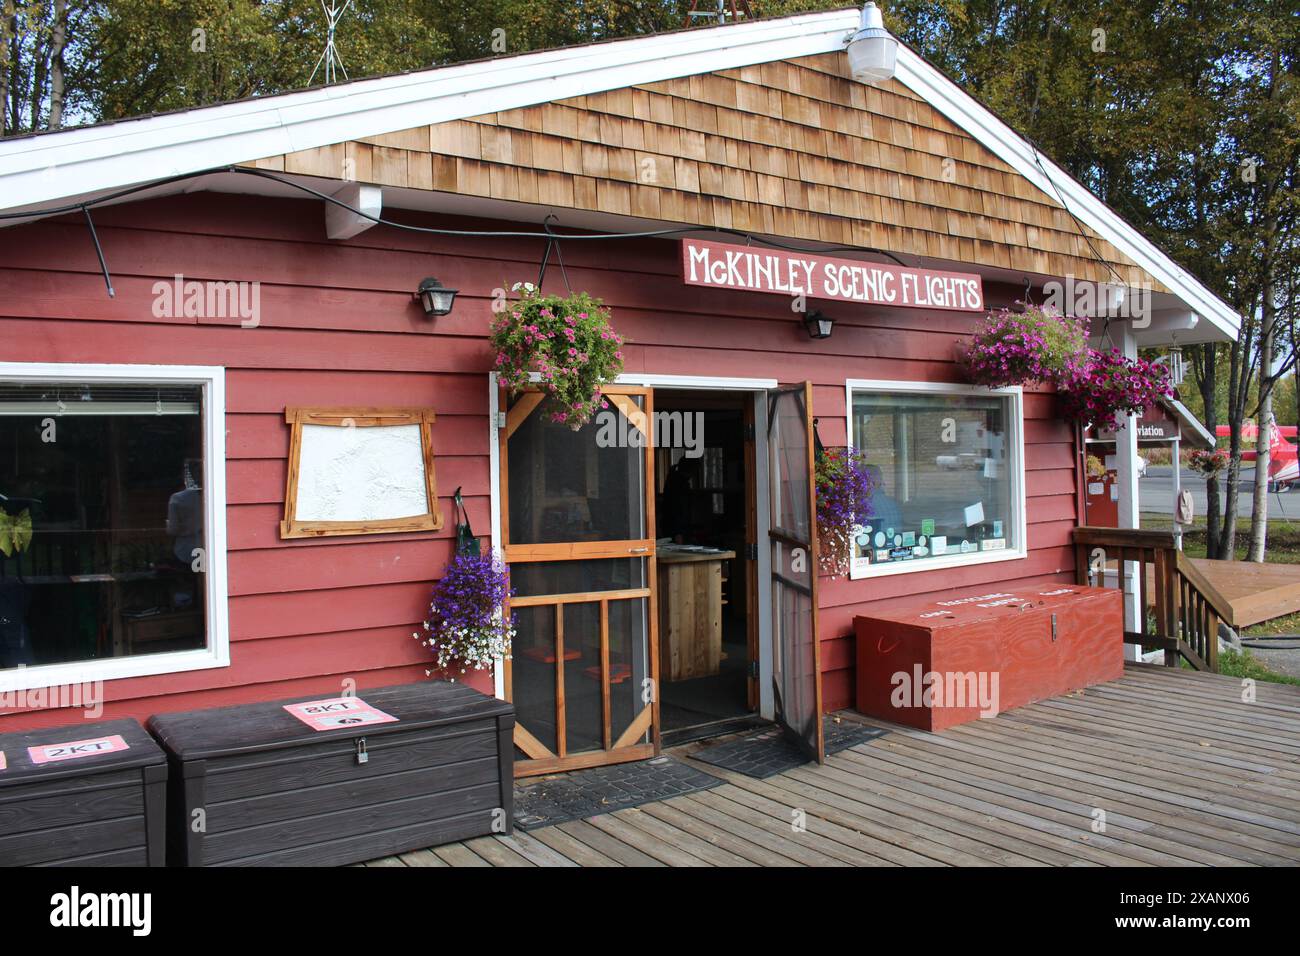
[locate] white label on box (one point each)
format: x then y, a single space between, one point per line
76 749
993 544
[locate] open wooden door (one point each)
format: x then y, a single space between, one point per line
577 521
796 658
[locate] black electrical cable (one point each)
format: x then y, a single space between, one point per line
1077 224
99 251
549 234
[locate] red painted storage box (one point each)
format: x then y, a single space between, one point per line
943 661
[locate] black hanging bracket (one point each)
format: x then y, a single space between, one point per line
103 266
552 243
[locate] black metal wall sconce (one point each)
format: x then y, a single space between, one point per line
819 325
435 298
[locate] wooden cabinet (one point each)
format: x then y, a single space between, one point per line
91 794
690 613
980 655
273 791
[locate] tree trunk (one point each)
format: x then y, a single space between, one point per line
6 32
57 45
1259 499
1208 384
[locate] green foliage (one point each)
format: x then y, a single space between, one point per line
155 55
567 343
15 532
1245 665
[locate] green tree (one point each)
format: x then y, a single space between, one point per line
155 55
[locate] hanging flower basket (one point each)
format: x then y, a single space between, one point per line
1038 344
467 627
562 345
1208 464
1108 386
844 488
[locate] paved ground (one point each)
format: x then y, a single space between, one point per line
1283 659
1157 490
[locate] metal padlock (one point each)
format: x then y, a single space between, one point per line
362 755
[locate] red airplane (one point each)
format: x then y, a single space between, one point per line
1283 466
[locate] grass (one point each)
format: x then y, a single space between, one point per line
1283 542
1245 665
1284 548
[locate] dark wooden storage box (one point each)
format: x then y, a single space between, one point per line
1039 642
107 809
253 785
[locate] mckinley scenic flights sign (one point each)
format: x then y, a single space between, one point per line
755 269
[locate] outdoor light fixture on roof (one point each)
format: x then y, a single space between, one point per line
819 326
435 298
873 49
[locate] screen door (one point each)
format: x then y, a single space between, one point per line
796 665
577 525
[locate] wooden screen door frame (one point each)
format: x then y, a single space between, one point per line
542 759
781 645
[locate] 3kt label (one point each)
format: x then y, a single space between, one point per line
76 749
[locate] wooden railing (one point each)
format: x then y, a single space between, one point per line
1180 611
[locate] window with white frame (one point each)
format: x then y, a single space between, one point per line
112 527
947 471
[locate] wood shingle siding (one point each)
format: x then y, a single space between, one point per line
794 148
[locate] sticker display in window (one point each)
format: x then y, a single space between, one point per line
943 475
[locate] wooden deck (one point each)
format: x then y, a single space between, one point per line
1251 592
1180 770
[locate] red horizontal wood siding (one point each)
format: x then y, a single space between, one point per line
339 327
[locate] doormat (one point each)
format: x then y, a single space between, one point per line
769 752
589 793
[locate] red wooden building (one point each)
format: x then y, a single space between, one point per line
146 435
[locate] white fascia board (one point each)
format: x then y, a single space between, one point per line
1193 423
1008 145
49 168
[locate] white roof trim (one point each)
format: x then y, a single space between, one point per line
79 162
42 169
1194 424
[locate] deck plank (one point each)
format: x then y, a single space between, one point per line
1071 808
685 823
575 850
1187 773
611 846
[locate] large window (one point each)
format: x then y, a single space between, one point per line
112 542
948 471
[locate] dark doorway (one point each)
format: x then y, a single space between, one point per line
704 500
